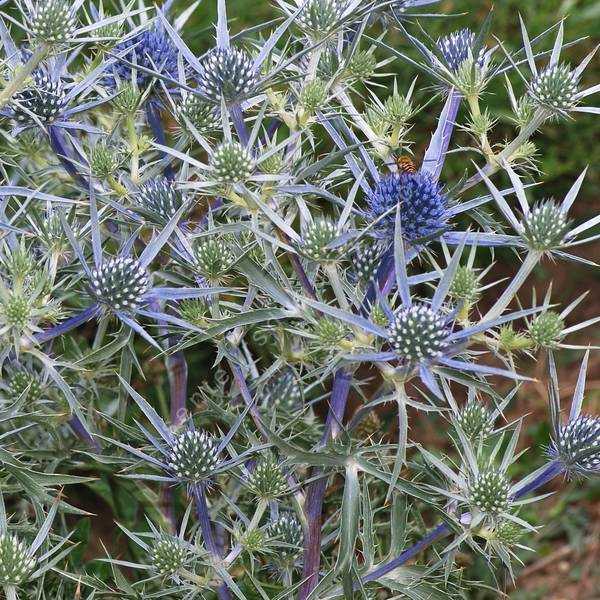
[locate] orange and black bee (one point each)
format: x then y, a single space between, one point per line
406 164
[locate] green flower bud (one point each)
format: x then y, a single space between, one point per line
232 163
53 21
490 492
545 226
465 285
546 329
168 555
105 160
15 562
316 239
313 94
362 65
474 419
330 331
266 480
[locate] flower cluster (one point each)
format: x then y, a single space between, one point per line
265 307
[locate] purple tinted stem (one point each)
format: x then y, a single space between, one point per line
155 122
57 144
207 532
237 116
437 534
315 494
447 132
82 433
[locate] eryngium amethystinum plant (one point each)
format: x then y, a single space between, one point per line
216 271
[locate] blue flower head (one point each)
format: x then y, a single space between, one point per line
424 207
457 47
577 446
43 101
151 49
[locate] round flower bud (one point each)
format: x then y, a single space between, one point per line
555 88
465 285
510 340
313 94
213 257
231 163
546 329
22 380
457 47
490 492
194 311
475 420
318 18
160 198
194 456
378 316
396 110
546 226
283 390
198 113
168 555
105 161
330 331
287 530
578 446
227 73
366 261
316 239
44 100
253 540
424 207
266 480
362 65
418 333
17 312
111 32
15 562
273 164
508 533
53 21
128 98
120 283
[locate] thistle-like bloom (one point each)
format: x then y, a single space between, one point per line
366 260
286 533
168 555
190 457
231 163
53 21
458 47
121 285
543 228
159 199
318 18
422 339
283 390
151 49
556 87
318 241
575 444
425 208
43 101
194 112
267 480
16 562
228 74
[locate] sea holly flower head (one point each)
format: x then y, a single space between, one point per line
318 18
458 47
425 207
231 163
419 333
120 284
575 444
287 536
489 492
160 198
475 419
151 49
545 226
194 112
318 239
194 456
168 555
16 564
266 480
546 330
53 21
43 101
228 74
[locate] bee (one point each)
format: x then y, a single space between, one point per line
406 164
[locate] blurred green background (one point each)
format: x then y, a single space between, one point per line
566 563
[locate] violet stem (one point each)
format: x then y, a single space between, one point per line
237 117
58 145
81 432
207 532
315 494
155 122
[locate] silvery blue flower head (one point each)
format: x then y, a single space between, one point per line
151 49
575 444
425 207
43 101
457 47
227 73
